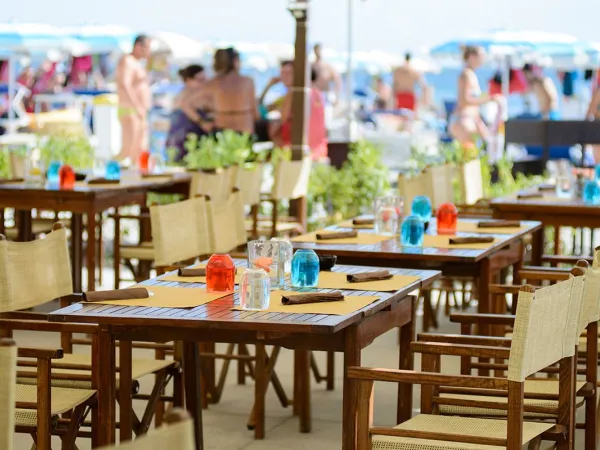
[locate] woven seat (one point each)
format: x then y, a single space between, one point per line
140 368
489 428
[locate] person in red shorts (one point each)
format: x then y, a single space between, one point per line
406 78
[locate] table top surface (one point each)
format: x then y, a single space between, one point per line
219 315
549 202
392 250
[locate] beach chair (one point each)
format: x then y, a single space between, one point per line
545 333
177 433
36 273
8 381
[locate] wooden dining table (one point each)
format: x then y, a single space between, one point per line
483 264
550 210
84 199
216 322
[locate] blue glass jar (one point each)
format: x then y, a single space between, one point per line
597 172
113 170
305 269
412 231
52 172
421 206
591 192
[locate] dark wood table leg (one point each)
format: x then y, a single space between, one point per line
352 349
484 303
302 390
537 247
23 219
77 251
91 252
191 373
261 382
125 402
104 382
406 362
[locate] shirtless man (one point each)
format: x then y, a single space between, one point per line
545 92
133 88
405 79
327 75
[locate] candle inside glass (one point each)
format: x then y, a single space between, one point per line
447 218
305 268
66 176
220 274
412 231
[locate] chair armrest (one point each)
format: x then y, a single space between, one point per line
414 377
56 327
117 216
544 273
39 353
483 319
504 288
490 341
438 348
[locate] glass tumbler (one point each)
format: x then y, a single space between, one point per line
287 253
305 268
255 289
52 174
412 231
421 206
269 256
591 192
447 218
220 274
66 176
113 170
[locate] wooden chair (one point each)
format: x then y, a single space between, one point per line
290 183
46 267
545 333
8 381
178 433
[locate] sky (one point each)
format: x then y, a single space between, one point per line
390 25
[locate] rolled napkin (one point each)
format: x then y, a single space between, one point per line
471 240
192 272
363 222
317 297
546 187
369 276
11 180
530 195
156 175
102 181
499 224
118 294
336 235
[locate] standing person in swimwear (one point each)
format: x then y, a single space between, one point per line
133 88
406 77
326 77
232 94
593 113
466 124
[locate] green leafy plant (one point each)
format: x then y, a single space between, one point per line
4 164
235 148
75 151
202 154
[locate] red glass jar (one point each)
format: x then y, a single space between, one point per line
447 218
144 161
66 177
220 274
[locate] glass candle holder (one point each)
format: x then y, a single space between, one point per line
220 274
144 161
392 201
255 289
421 206
52 174
412 231
113 170
287 253
305 268
447 218
66 176
34 168
269 256
591 192
597 172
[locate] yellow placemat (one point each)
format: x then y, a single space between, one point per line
176 277
349 224
444 242
471 227
337 280
169 297
361 239
350 304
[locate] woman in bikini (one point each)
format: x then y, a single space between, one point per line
593 113
232 94
466 124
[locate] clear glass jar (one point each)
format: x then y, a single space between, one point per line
255 290
269 256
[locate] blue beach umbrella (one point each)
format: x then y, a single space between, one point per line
103 38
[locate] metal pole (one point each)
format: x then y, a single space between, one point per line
349 88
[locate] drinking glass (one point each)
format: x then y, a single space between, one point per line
34 168
52 173
591 192
113 170
287 253
305 268
220 274
412 232
389 201
421 206
447 218
269 256
255 289
66 176
564 186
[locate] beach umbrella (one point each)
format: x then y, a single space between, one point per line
179 47
103 38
